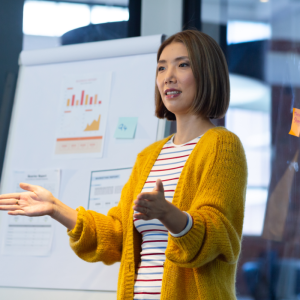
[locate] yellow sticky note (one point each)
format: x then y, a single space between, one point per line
295 129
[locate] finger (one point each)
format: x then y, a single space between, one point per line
9 207
141 216
17 213
8 196
159 187
28 187
147 196
142 202
9 201
140 209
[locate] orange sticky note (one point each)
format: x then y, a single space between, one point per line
295 129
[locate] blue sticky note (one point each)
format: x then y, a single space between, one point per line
126 128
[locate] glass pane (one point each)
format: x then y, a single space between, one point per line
261 41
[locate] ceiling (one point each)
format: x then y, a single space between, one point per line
104 2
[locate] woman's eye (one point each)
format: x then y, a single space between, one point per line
184 65
161 68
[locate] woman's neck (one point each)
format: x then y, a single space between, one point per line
189 127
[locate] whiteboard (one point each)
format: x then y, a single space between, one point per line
32 136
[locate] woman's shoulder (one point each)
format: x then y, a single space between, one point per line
220 134
220 140
219 147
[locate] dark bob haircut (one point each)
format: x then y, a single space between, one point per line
210 70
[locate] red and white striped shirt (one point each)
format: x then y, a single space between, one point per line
167 167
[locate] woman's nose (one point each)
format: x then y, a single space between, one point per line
170 77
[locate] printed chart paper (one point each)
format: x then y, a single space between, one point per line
105 189
83 115
30 235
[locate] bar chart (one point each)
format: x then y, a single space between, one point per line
85 99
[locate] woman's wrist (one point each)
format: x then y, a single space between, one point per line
174 219
57 207
64 214
54 207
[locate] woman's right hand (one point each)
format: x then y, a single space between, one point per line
36 202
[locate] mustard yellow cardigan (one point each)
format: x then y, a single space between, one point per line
202 263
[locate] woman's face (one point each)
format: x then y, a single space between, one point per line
175 79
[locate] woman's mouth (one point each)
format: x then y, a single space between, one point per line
172 93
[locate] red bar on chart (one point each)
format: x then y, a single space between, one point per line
82 96
73 100
95 102
91 100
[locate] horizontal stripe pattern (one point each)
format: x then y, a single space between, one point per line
168 168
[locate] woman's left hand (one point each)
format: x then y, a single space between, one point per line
152 205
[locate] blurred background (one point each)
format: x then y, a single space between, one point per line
261 42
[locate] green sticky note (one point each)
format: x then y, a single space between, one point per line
126 128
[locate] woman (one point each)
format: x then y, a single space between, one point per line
177 229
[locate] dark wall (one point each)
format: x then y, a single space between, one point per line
248 59
11 37
191 14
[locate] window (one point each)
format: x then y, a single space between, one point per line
49 18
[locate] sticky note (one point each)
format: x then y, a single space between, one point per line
126 128
295 128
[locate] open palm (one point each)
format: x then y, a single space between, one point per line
36 202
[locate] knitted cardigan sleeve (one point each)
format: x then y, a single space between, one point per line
217 208
99 237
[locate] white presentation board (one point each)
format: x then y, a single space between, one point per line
39 121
